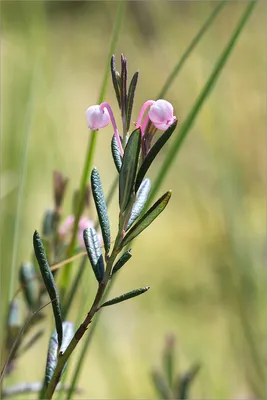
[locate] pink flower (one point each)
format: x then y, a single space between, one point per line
161 114
66 226
84 223
97 117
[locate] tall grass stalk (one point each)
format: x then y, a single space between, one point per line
92 146
22 177
207 89
190 48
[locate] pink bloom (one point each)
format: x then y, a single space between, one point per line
97 117
161 114
66 226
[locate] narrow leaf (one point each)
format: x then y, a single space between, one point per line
147 218
161 385
94 252
185 382
116 154
49 282
140 202
123 260
126 296
130 99
29 285
123 91
101 207
49 223
52 355
114 75
31 342
153 153
129 168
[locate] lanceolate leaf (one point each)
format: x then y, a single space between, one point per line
126 296
185 382
140 202
130 99
161 385
115 80
123 260
94 252
52 355
101 207
129 168
153 153
147 218
116 154
49 282
29 284
123 89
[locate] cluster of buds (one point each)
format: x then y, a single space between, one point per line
160 112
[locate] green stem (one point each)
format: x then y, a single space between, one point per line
63 358
185 128
190 48
91 149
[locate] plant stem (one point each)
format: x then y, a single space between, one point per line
63 357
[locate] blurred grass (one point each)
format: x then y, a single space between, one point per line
207 275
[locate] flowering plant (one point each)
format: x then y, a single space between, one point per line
133 154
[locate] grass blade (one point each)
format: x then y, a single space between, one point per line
49 282
185 128
190 48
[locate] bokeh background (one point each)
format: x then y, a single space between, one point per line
204 257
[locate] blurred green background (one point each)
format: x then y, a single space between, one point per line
204 257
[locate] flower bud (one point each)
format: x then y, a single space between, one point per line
161 114
97 118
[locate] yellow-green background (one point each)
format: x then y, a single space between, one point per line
204 256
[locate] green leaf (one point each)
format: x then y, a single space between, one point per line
29 285
94 252
130 99
168 359
140 202
161 386
153 153
116 154
126 296
123 90
52 355
101 208
185 382
49 282
129 168
147 218
123 260
49 223
115 80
